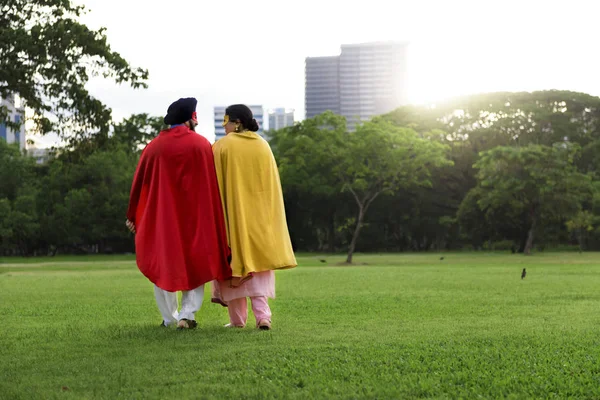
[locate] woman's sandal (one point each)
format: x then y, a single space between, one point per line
230 325
264 324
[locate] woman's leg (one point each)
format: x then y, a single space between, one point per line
262 312
238 311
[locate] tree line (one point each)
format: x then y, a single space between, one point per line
503 171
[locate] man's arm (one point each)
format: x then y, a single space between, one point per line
136 193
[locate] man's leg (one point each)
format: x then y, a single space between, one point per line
167 304
262 312
191 301
238 312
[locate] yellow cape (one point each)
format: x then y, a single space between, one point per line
253 204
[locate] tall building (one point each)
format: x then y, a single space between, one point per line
219 113
280 118
322 91
15 114
365 80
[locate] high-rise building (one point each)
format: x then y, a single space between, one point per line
365 80
219 113
322 91
219 129
280 118
16 115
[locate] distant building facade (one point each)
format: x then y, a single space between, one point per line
365 80
280 118
17 115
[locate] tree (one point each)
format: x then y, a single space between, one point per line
47 57
132 134
6 234
581 224
473 221
24 221
477 123
307 154
533 181
474 124
320 158
380 157
137 131
18 219
507 118
98 181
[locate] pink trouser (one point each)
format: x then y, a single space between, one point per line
238 310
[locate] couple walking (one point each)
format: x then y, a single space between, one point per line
203 214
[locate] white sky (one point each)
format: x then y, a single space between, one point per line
253 52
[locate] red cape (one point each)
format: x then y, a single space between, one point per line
181 242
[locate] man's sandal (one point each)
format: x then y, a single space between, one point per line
186 324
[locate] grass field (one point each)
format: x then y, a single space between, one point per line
402 326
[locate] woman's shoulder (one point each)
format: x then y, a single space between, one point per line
243 140
221 143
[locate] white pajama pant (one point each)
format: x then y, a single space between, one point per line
191 301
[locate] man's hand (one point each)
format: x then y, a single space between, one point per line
130 225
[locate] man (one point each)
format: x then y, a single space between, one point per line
176 213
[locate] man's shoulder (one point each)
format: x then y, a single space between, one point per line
196 140
189 139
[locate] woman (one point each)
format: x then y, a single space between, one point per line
254 218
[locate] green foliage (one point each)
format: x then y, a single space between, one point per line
507 118
582 221
382 158
417 217
581 225
539 182
470 173
74 203
476 124
137 131
16 170
533 176
46 58
319 157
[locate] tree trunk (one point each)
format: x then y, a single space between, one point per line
331 233
361 216
529 243
363 206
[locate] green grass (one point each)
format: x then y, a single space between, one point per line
403 326
66 259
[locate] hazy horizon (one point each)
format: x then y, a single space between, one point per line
254 53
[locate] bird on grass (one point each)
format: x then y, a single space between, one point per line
441 258
323 261
523 274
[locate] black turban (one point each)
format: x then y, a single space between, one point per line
181 111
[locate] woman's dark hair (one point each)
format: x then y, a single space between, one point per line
242 113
